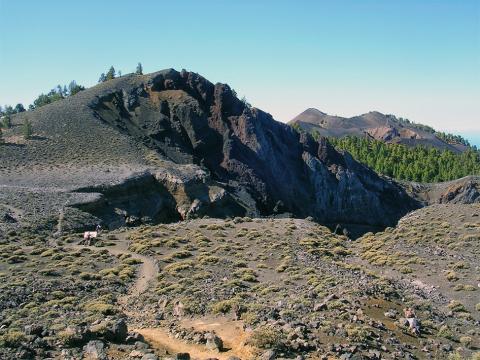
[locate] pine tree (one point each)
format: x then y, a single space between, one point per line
74 88
9 110
102 78
139 70
7 121
110 74
19 108
414 164
27 129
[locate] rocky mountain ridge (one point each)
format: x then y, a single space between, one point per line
374 125
172 145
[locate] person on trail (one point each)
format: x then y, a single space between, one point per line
98 228
413 323
86 239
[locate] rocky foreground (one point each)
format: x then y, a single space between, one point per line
246 288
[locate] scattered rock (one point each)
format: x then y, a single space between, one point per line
268 355
150 357
391 314
94 350
182 356
214 342
33 329
136 354
178 309
133 337
140 345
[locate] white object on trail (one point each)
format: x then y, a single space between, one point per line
90 235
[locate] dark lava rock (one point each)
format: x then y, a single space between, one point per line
182 356
119 331
33 329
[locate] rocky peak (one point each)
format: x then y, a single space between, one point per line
208 124
251 164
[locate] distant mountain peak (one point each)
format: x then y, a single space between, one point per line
315 110
379 126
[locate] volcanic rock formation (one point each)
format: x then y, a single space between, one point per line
172 145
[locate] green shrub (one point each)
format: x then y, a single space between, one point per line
357 333
89 276
455 356
27 129
466 341
12 339
132 261
445 332
69 337
452 276
456 306
266 337
99 307
223 307
406 270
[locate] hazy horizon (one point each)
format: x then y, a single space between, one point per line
418 60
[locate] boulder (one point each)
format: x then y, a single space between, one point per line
320 306
33 329
115 331
391 314
182 356
214 342
94 350
150 357
136 354
119 331
178 309
133 337
140 345
268 355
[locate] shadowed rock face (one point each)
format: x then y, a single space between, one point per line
187 119
171 145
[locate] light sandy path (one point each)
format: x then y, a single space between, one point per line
231 332
147 271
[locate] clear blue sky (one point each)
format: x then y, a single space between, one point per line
413 58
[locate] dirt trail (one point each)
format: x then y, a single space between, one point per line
147 271
231 332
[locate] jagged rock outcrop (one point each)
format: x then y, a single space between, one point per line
460 191
193 149
467 192
189 120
